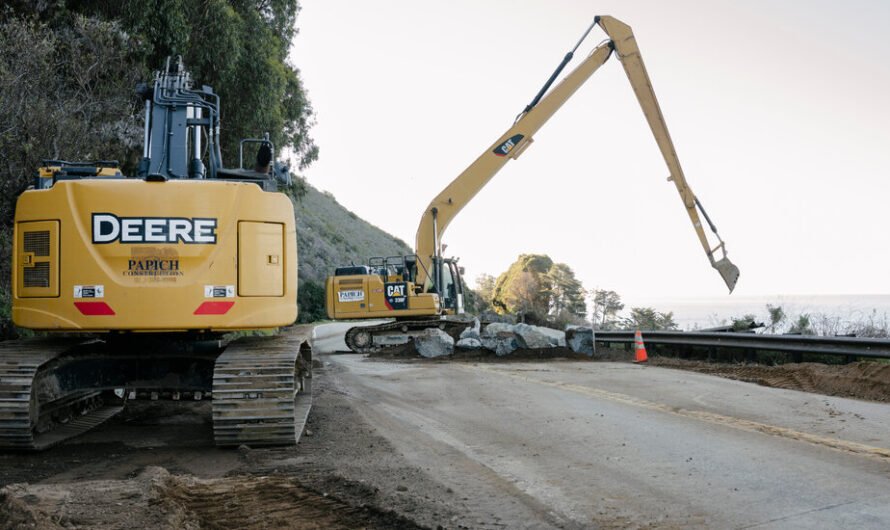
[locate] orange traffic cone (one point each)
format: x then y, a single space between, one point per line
639 348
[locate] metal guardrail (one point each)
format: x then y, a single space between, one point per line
860 347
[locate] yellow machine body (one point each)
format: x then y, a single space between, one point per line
376 296
113 254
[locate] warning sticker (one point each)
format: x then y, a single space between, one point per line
353 295
89 291
219 291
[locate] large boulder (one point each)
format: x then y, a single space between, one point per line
557 337
501 343
469 343
580 340
499 338
494 328
534 337
433 342
471 332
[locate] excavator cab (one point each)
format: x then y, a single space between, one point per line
450 288
391 268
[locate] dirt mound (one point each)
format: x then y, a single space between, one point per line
157 499
862 380
96 504
264 502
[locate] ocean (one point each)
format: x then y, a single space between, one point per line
832 310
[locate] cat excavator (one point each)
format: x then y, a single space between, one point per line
425 289
139 281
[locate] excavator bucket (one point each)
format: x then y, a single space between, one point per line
728 271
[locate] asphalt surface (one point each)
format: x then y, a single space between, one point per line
581 444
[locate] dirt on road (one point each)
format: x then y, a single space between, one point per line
862 380
868 380
157 499
155 466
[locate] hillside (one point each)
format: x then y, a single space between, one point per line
329 235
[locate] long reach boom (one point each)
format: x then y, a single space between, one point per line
442 210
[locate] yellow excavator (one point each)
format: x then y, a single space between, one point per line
147 276
420 289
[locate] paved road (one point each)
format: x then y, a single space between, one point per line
575 444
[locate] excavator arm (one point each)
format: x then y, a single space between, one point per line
629 53
445 206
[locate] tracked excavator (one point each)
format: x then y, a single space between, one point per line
139 282
425 289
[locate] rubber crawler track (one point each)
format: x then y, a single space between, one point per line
30 410
407 327
262 391
261 388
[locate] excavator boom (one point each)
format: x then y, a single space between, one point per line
445 206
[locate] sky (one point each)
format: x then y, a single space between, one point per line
779 112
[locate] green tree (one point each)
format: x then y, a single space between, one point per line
647 318
484 292
239 47
606 305
776 317
803 325
540 291
745 322
311 302
566 292
523 297
524 287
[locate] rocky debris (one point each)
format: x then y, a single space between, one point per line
580 340
489 316
472 332
503 338
497 327
534 337
433 342
499 338
469 343
557 337
502 343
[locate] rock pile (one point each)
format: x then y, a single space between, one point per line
498 337
433 342
580 340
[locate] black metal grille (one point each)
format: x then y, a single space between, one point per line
37 276
37 242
